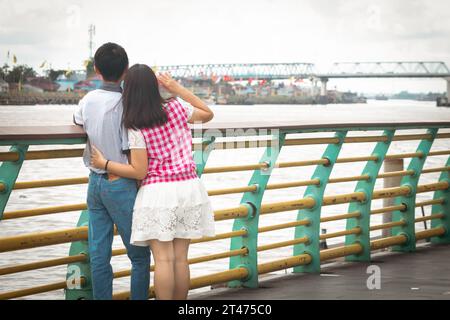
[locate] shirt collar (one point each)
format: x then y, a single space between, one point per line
113 87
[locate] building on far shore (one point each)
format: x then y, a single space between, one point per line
286 91
4 87
67 82
78 81
43 84
28 88
96 81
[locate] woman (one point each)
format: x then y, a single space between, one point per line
172 205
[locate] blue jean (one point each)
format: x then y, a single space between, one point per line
111 203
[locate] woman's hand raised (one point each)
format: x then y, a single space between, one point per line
202 113
170 84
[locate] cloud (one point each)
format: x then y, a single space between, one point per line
201 31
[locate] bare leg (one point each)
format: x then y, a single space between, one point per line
164 277
182 273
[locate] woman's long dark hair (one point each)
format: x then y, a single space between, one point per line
142 101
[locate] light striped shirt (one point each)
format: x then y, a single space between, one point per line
100 114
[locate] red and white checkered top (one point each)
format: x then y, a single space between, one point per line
169 148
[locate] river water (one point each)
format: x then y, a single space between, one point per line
70 168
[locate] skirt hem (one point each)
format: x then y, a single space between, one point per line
144 241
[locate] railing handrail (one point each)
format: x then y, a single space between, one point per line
31 133
243 254
41 133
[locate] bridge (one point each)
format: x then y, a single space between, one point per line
339 70
417 69
241 71
397 69
279 71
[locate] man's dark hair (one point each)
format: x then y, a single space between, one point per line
111 60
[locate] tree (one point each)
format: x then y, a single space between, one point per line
89 64
4 71
54 74
20 73
69 73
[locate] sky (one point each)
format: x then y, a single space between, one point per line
168 32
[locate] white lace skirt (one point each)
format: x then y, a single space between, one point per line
172 210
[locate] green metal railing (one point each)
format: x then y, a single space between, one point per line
244 268
362 221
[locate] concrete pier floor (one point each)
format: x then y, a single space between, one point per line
424 274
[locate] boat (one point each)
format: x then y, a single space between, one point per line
381 98
442 102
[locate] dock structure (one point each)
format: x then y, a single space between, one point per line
40 98
409 264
